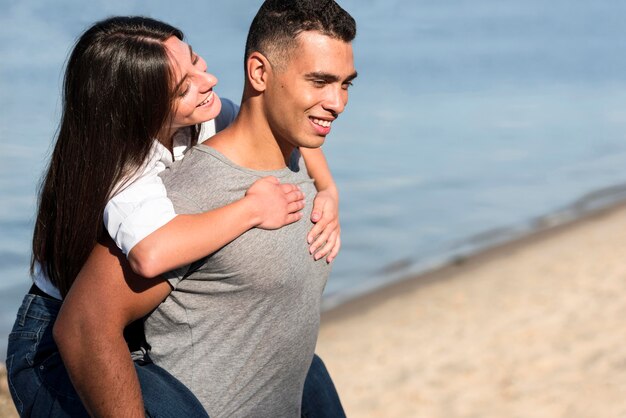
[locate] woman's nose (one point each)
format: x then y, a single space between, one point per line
208 81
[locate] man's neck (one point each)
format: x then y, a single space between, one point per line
249 142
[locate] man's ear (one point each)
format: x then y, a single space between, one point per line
257 70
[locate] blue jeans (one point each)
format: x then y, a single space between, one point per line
40 385
320 398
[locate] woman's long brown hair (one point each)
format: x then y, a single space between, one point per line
116 99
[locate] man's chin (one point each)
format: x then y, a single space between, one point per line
313 143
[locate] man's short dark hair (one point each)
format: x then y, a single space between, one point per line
277 24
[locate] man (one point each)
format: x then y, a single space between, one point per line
239 328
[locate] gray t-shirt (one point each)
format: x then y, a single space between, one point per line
240 327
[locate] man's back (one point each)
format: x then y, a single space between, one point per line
240 328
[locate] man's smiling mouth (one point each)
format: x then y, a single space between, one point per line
320 122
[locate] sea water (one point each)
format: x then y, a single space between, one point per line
470 123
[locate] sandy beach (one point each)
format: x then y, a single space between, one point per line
7 410
534 328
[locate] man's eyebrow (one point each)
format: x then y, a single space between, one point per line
329 78
352 76
182 80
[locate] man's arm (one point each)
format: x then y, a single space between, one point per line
103 300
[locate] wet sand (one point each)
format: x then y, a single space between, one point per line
533 328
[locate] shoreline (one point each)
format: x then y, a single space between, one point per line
532 328
457 265
587 206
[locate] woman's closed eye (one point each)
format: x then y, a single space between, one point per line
184 92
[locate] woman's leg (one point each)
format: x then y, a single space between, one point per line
164 396
37 379
320 398
40 385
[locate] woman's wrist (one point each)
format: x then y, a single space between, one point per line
332 190
251 211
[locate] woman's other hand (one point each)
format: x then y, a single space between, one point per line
325 236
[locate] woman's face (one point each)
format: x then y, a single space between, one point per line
195 101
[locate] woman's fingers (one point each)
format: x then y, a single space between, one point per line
330 246
335 250
296 206
323 237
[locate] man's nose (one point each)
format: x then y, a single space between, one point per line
336 100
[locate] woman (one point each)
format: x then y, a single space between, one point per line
123 121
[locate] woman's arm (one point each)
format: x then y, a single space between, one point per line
325 236
187 238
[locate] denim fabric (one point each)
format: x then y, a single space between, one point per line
320 398
39 383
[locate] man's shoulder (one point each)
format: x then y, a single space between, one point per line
203 178
197 159
192 173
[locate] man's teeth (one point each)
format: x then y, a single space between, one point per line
324 123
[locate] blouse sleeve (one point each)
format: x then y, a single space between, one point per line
139 209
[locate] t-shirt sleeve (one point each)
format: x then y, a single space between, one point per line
138 210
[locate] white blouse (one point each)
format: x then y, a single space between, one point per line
139 205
